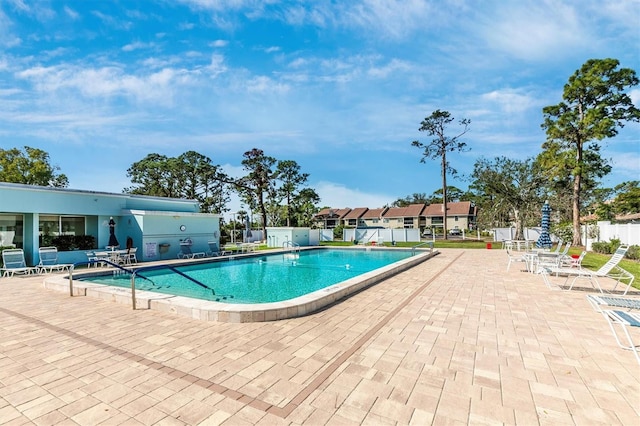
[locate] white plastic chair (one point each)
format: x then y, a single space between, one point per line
515 257
49 260
14 263
608 270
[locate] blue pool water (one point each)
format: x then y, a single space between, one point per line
261 279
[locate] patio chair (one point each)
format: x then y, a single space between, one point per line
608 270
554 259
598 302
14 263
129 256
214 250
573 262
49 260
185 250
515 257
625 320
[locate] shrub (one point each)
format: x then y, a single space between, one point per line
610 247
563 231
601 247
633 253
337 232
70 242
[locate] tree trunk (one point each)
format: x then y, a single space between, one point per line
519 225
263 213
444 194
577 180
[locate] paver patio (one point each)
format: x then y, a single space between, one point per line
455 340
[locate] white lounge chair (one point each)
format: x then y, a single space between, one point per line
49 260
214 250
598 301
608 270
625 320
14 263
185 250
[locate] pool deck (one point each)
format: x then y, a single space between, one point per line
454 340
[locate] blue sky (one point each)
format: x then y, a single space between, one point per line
338 86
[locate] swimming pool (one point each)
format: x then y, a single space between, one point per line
253 288
260 279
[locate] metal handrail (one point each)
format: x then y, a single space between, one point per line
134 273
294 247
428 243
150 268
89 262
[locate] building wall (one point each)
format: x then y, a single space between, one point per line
144 219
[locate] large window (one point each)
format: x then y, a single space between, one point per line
11 229
53 226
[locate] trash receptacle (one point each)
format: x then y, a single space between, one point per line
488 246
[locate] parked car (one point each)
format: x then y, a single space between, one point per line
455 231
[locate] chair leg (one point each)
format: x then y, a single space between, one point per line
611 319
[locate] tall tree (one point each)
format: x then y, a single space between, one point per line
190 175
291 180
594 106
304 207
30 166
153 175
627 200
453 194
415 198
199 179
258 186
510 188
436 125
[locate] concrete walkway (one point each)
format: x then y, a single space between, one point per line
456 340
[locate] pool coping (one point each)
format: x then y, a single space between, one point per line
233 312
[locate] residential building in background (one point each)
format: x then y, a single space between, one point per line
460 216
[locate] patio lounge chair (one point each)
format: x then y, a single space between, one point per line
14 263
214 250
625 320
608 270
49 260
616 302
185 250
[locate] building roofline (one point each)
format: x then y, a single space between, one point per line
37 188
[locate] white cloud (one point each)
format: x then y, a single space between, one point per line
262 84
71 13
107 82
535 30
219 43
510 101
136 46
339 196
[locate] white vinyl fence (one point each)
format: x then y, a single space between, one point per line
381 235
318 235
627 233
530 234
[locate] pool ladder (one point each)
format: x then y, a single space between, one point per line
291 250
428 243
